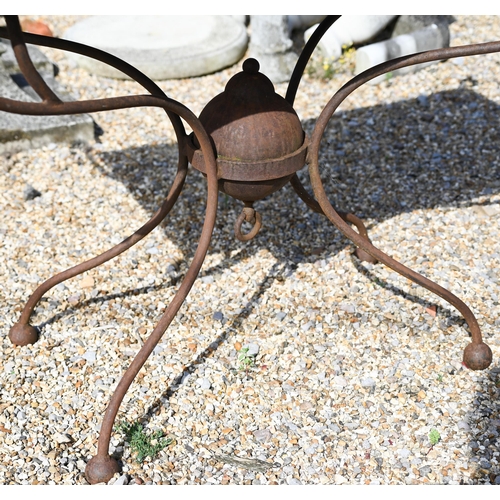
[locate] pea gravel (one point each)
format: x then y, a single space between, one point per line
354 366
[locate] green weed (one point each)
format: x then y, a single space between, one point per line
142 444
325 68
246 360
434 437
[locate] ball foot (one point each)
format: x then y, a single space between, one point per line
101 469
23 334
364 256
477 356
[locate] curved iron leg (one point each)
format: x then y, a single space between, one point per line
291 92
102 467
22 333
477 355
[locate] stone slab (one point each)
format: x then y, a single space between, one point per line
21 132
162 47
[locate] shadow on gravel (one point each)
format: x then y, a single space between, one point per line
71 309
439 150
483 424
229 329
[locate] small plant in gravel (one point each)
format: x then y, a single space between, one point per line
328 69
246 360
434 438
142 444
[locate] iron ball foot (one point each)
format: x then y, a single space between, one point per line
101 469
477 356
23 334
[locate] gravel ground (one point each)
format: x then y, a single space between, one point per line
354 365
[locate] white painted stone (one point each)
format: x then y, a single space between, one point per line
349 30
427 38
253 349
120 481
204 383
62 438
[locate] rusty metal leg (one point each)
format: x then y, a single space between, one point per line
432 55
477 355
25 63
102 466
291 92
351 218
358 224
22 333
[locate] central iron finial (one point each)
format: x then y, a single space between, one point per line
257 137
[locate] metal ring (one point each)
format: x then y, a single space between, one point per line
248 214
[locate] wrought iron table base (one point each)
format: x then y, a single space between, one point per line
256 179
